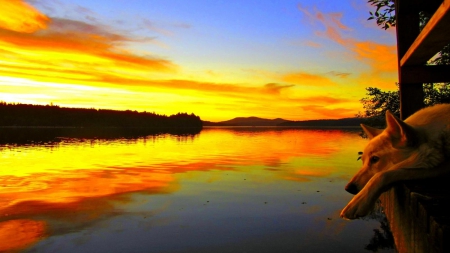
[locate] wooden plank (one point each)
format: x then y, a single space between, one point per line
433 38
425 74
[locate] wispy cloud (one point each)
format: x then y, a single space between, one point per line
312 44
307 79
276 88
339 74
381 58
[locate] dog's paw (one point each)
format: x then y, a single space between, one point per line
357 208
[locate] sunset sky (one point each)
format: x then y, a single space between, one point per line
293 59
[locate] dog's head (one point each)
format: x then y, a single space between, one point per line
385 148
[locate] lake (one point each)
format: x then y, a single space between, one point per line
221 190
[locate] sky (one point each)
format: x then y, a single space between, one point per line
297 60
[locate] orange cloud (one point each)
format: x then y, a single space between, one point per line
339 74
331 21
327 100
62 49
329 113
381 58
336 18
276 88
16 15
303 78
87 50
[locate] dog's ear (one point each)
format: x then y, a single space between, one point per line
371 132
402 134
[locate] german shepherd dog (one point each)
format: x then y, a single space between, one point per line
416 148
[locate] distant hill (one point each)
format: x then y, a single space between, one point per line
247 121
255 121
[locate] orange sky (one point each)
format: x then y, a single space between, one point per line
308 60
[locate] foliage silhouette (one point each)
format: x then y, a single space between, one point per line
54 116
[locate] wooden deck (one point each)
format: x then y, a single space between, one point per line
419 211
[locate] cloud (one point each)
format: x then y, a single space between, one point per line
325 100
329 113
331 21
66 46
381 58
307 79
312 44
339 74
21 17
152 27
64 26
276 88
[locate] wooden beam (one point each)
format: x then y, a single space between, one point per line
434 36
425 74
407 25
411 99
407 18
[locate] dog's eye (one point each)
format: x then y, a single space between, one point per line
374 159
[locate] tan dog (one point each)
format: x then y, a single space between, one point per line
417 148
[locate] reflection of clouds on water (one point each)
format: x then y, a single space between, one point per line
305 174
77 189
33 220
19 233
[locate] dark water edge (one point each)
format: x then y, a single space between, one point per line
37 135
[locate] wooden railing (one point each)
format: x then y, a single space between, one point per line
415 48
419 211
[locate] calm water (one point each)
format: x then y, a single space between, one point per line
223 190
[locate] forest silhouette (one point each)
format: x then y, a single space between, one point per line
28 115
26 123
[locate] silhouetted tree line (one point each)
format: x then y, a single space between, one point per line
54 116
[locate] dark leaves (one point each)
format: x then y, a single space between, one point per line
384 13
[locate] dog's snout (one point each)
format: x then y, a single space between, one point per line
351 188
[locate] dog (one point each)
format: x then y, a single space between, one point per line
416 148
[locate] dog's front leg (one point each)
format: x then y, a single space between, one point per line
363 202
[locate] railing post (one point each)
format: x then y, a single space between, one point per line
407 25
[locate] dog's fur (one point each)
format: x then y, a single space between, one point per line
417 148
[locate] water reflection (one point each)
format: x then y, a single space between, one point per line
257 190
